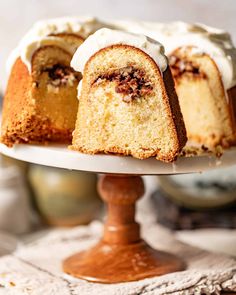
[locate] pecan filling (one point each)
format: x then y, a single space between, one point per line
131 82
181 66
62 75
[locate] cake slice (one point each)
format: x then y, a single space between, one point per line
127 100
40 107
202 97
40 103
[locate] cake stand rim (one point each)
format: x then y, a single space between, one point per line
59 156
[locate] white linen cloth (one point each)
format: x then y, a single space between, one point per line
36 269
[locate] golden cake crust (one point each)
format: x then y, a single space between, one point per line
232 107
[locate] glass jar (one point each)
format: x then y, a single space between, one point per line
64 197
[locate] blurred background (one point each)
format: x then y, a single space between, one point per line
35 198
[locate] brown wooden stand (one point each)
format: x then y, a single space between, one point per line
121 255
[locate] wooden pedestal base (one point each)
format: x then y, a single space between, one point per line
121 263
121 256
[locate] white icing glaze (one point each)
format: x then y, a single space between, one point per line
39 35
27 54
216 43
82 26
107 37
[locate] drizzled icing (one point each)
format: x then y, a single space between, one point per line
216 43
107 37
44 33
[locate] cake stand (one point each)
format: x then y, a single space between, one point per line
121 255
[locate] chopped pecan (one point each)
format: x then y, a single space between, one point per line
62 75
130 81
182 66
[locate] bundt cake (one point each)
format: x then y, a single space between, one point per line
127 100
40 103
203 64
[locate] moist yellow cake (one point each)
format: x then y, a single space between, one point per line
202 98
127 101
40 103
203 64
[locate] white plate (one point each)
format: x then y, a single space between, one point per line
60 156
